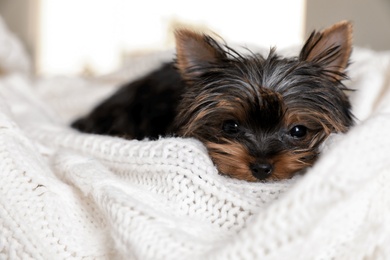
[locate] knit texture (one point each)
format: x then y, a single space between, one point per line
65 194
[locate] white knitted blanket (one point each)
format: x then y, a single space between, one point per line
64 194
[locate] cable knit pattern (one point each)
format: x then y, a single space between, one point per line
65 194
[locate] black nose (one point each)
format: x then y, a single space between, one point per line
261 170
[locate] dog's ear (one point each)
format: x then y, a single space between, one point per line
195 53
330 48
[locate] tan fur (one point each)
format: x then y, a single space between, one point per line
288 163
232 159
304 117
192 49
340 34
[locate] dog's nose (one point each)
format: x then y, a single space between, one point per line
261 170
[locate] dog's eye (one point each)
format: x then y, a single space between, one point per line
298 131
230 127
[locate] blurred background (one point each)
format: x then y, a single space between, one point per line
96 37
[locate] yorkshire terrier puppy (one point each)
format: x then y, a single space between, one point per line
261 118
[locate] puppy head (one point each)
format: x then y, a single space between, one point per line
263 118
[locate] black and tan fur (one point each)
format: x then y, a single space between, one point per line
261 118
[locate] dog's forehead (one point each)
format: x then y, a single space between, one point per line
260 89
272 72
259 107
268 111
242 87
